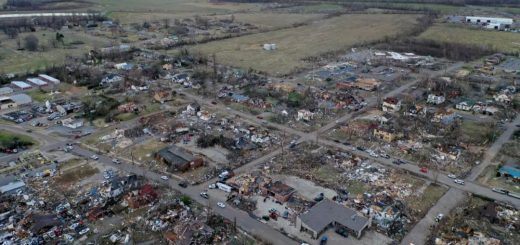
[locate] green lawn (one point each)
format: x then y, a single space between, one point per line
10 140
39 95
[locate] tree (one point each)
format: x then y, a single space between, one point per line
31 43
59 37
294 99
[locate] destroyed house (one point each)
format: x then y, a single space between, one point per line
42 223
328 213
280 191
178 159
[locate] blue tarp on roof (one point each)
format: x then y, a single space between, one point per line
510 170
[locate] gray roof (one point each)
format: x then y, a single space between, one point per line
11 186
6 90
21 99
325 212
175 155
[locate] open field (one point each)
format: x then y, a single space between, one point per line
13 60
501 41
272 20
444 8
293 45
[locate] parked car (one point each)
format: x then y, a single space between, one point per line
116 161
459 181
386 156
360 148
212 186
94 157
452 176
341 231
222 205
424 170
164 177
204 195
323 240
500 190
183 184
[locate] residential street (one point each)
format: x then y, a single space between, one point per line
253 226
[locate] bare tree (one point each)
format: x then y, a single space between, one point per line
31 43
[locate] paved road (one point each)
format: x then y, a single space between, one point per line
419 233
246 222
434 177
494 149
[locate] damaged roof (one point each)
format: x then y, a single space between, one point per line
325 212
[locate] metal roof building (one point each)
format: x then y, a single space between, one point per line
328 213
21 85
49 78
21 99
11 187
36 81
6 90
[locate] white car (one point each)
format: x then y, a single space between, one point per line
222 205
439 217
452 176
459 181
212 186
164 177
116 161
95 157
84 231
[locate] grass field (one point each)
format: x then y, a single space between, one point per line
16 61
7 139
272 20
295 44
501 41
38 95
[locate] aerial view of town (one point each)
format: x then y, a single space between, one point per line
269 122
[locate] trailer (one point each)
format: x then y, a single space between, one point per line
224 187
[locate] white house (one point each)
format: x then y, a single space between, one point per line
491 22
435 99
304 115
391 104
502 98
71 123
464 106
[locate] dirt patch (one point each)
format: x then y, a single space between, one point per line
74 175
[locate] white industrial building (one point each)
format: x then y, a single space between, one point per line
491 22
48 78
21 85
38 82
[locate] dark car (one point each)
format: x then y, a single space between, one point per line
341 231
183 184
360 148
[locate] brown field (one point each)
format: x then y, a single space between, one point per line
501 41
294 44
